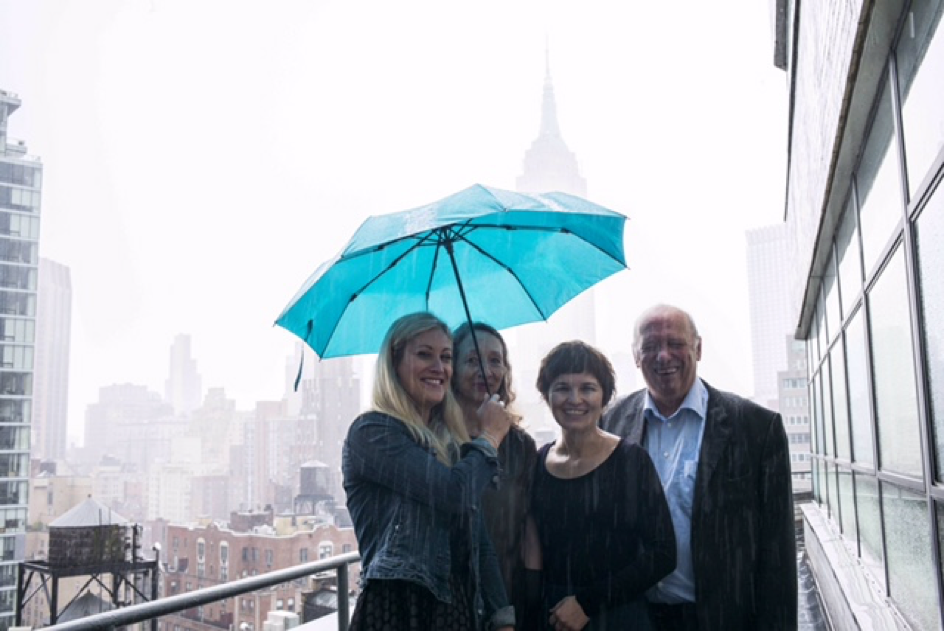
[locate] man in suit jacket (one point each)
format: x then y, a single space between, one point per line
725 467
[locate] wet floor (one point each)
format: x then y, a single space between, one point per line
811 614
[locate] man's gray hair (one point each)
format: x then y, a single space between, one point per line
660 308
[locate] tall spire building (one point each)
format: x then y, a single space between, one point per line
549 166
20 182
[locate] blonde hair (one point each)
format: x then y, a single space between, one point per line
446 429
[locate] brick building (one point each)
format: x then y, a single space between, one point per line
203 556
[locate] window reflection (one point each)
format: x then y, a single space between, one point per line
827 407
816 407
879 186
815 472
847 502
14 411
850 265
14 437
910 572
930 235
859 409
840 407
870 525
920 56
896 404
831 291
821 343
832 494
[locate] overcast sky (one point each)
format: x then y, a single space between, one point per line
202 157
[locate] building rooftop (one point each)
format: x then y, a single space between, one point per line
88 513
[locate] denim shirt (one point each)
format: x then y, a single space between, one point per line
402 501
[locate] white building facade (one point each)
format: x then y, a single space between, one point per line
866 215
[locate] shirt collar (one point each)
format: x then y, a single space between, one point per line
696 400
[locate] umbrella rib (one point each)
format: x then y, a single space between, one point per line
419 242
537 229
507 269
432 269
543 229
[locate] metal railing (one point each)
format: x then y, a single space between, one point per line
181 602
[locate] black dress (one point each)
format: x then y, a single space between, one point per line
606 536
400 605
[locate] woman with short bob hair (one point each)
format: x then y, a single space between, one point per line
603 523
414 481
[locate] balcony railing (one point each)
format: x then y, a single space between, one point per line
181 602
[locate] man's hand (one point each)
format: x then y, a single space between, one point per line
568 615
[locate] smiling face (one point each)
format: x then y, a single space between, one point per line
425 369
576 400
667 350
469 384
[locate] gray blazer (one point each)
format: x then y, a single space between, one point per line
743 529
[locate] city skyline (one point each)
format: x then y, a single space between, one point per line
200 213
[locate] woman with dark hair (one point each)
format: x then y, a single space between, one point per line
506 508
603 523
414 481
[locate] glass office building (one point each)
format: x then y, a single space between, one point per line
866 208
20 180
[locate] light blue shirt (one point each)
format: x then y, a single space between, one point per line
673 444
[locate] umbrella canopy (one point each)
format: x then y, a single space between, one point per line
483 253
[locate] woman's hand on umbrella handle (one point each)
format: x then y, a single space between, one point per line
495 420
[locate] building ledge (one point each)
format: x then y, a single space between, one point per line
850 593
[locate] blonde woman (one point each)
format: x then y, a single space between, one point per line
414 482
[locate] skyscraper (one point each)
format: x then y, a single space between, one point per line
549 165
768 264
20 182
184 387
51 379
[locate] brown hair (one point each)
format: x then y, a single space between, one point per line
576 357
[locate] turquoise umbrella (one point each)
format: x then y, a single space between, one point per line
483 253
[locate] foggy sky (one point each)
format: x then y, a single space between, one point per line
201 158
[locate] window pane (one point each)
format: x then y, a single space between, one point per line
831 290
911 580
850 267
859 411
939 510
930 235
879 185
832 492
812 356
827 410
896 404
847 504
821 343
840 407
815 472
816 427
921 77
870 526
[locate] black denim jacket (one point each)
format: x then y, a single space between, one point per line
402 501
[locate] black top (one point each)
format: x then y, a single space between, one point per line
507 506
606 536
